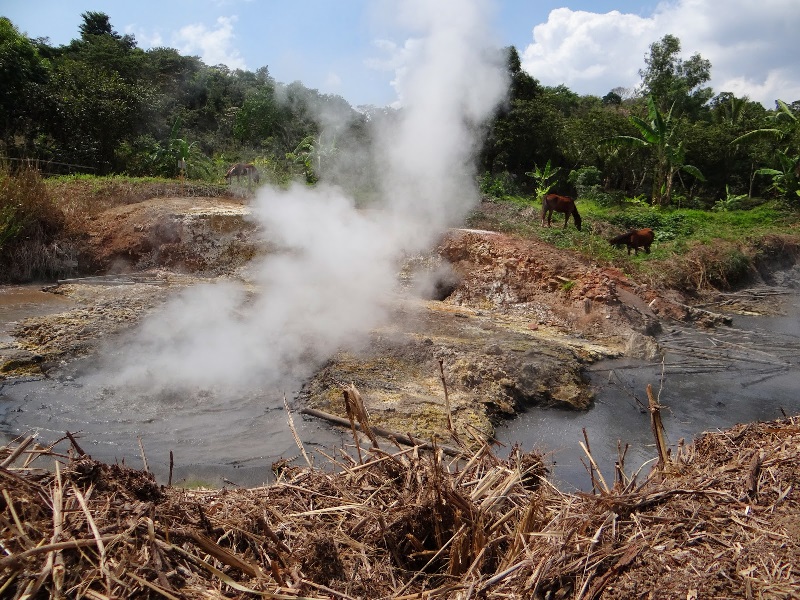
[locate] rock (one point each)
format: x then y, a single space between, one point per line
642 346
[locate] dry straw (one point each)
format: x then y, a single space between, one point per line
719 519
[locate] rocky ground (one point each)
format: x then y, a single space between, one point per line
511 324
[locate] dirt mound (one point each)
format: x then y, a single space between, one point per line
195 235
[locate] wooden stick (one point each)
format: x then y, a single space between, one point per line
390 435
446 396
17 451
75 444
144 457
16 558
657 426
753 473
171 464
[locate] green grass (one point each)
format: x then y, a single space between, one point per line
675 223
693 248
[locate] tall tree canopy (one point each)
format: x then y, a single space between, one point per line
675 83
102 104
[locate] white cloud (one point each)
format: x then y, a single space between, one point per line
752 47
333 81
214 46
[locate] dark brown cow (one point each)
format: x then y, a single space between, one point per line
635 238
243 169
561 204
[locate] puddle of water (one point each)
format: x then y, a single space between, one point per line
18 302
211 436
708 381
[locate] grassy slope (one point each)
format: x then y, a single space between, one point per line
694 249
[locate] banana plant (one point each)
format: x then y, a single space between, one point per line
179 156
542 178
785 179
656 134
784 115
302 156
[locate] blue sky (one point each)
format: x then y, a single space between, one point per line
354 48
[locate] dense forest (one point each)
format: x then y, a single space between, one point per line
102 105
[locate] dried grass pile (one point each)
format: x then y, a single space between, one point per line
719 519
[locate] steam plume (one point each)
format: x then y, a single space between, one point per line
328 281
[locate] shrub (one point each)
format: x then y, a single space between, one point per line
586 181
498 186
29 224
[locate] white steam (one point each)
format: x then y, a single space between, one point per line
327 282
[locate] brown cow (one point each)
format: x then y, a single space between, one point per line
239 169
562 204
635 238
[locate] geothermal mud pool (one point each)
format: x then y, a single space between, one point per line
708 381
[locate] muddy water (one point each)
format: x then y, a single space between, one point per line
707 381
22 301
213 440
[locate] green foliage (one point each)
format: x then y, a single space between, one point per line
180 158
686 225
656 134
784 130
498 186
586 181
301 158
784 179
102 105
730 202
11 224
543 180
675 83
22 71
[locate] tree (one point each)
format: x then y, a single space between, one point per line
523 86
612 98
89 112
668 157
257 119
22 72
675 84
95 23
581 142
785 130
